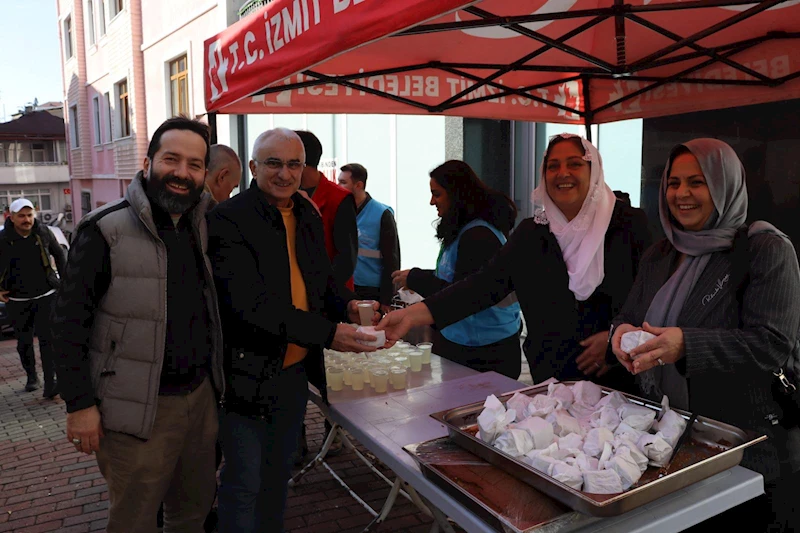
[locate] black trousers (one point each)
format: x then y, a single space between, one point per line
33 318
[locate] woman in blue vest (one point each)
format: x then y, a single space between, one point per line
474 223
571 266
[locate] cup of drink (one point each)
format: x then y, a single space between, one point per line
357 377
426 352
335 378
401 360
346 375
415 358
398 377
365 312
380 378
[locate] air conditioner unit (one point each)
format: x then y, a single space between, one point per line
47 216
68 216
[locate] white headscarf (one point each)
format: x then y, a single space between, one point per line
582 238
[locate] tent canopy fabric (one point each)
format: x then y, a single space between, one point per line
568 61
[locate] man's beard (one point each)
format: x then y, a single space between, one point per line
172 203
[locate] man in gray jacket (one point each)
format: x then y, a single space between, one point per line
138 331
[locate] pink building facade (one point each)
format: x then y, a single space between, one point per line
128 65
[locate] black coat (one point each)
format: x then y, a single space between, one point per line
731 350
247 249
49 247
531 263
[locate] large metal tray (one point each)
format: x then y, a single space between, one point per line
714 447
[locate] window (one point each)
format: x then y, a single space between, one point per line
68 37
179 87
115 7
98 134
86 202
109 117
74 139
101 16
90 20
38 153
123 109
40 198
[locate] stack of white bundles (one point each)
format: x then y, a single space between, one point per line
494 419
514 442
637 416
540 431
597 443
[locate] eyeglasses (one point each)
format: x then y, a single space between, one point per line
274 163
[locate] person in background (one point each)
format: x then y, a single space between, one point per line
378 243
571 265
224 172
338 209
474 223
140 343
28 286
280 307
721 297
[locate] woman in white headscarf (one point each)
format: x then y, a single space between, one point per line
571 266
722 299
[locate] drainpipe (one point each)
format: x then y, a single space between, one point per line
138 88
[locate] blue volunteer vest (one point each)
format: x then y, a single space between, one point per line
369 266
487 326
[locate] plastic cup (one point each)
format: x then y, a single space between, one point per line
380 378
336 378
399 378
357 378
401 360
401 344
347 375
415 358
365 313
426 352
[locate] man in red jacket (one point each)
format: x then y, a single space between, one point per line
338 209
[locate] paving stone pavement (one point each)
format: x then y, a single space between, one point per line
45 485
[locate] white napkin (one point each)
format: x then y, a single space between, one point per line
564 423
656 449
540 431
593 444
615 399
633 339
671 425
568 475
602 482
570 441
518 402
607 417
493 419
624 441
542 405
637 416
608 451
626 466
409 297
514 442
625 429
561 392
380 336
587 393
542 460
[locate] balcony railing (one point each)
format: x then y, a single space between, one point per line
33 164
252 5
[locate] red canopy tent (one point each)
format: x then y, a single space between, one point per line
578 61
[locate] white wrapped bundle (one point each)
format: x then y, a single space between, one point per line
625 429
607 417
657 450
625 441
570 441
587 393
514 442
540 431
493 419
581 411
634 339
626 466
637 416
562 393
568 475
542 405
671 425
593 444
608 451
602 482
586 463
542 460
614 399
518 403
563 423
380 336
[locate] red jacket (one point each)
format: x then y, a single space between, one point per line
328 196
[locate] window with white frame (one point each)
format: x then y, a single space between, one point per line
109 116
74 140
179 87
101 17
98 133
115 6
123 109
90 20
40 198
68 37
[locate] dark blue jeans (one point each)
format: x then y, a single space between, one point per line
257 450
